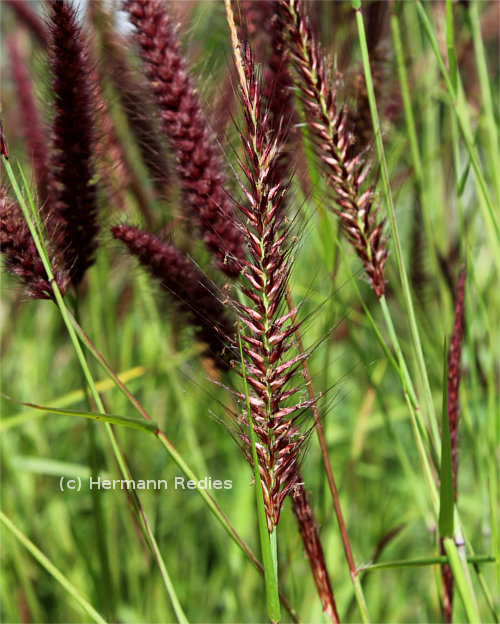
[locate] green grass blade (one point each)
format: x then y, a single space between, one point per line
484 83
45 562
422 561
21 418
269 561
417 345
459 107
147 426
460 580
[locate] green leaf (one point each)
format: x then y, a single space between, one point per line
147 426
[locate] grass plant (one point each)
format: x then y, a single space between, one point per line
235 237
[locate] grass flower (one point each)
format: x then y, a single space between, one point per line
73 222
268 331
199 166
20 253
454 369
346 172
185 283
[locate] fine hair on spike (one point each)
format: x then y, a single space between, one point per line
21 255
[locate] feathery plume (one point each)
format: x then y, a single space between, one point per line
268 331
453 382
33 130
133 95
21 255
346 173
261 22
199 166
74 217
185 283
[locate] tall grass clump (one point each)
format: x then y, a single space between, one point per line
234 238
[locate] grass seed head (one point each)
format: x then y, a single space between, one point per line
198 163
21 255
185 283
73 222
333 142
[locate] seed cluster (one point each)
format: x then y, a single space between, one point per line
21 256
199 167
187 285
268 337
74 221
346 173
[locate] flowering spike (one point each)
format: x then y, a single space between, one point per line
356 209
185 283
454 356
199 166
21 255
74 219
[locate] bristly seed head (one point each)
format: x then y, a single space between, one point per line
267 332
21 255
189 288
73 218
346 172
454 370
198 163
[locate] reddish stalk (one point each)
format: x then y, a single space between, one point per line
454 371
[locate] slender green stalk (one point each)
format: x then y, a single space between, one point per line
451 549
484 84
422 561
45 562
146 426
105 583
358 589
417 346
416 158
460 109
76 396
455 562
407 382
177 457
